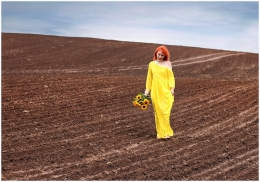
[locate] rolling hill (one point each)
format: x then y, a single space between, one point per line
67 112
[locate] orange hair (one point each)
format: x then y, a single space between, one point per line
164 51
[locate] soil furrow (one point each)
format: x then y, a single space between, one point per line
222 166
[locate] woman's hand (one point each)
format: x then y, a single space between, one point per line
146 92
172 91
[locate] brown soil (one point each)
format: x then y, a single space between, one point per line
67 112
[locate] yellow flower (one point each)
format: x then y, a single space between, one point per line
144 107
139 97
137 103
146 101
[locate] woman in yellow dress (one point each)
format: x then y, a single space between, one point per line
160 83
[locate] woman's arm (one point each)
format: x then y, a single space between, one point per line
149 80
171 80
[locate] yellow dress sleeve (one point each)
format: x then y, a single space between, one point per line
171 79
149 78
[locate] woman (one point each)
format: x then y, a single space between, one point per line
161 83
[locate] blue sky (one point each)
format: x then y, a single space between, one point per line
218 25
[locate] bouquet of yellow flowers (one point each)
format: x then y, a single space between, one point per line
141 101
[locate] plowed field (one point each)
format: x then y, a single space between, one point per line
67 112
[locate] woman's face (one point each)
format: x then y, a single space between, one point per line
160 56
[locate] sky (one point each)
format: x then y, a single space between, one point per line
232 25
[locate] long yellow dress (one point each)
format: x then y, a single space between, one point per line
159 81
